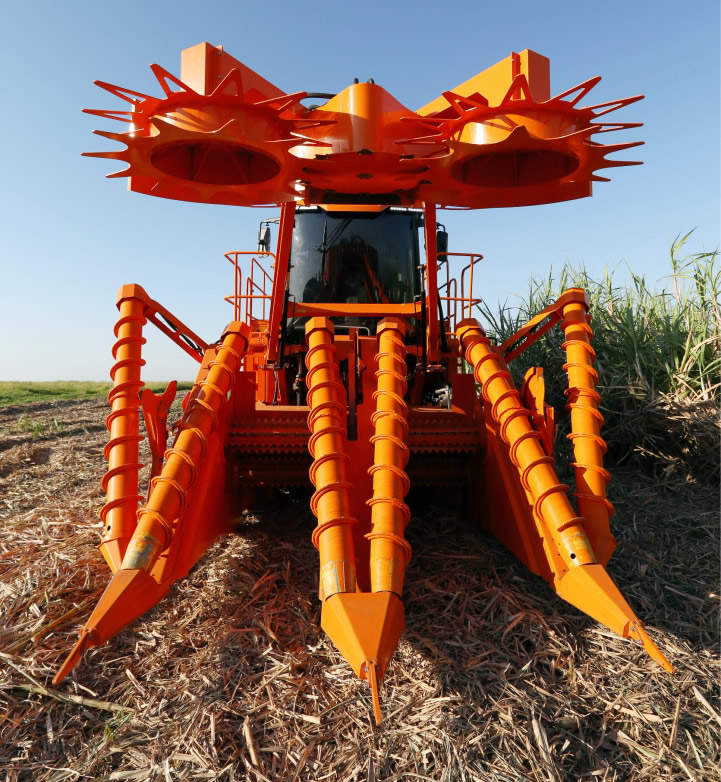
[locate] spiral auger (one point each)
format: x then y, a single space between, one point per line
330 503
170 490
365 627
390 552
586 422
536 469
578 576
120 482
138 584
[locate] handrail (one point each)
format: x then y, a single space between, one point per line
466 301
451 314
251 285
258 286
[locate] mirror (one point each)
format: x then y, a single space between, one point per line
441 245
264 239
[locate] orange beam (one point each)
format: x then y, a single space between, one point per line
432 326
204 66
332 309
280 278
493 82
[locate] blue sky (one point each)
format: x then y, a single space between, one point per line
69 237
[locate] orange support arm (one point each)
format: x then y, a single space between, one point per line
432 327
280 277
155 409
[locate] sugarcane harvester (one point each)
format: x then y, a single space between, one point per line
344 363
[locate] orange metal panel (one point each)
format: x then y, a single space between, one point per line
204 66
331 309
493 82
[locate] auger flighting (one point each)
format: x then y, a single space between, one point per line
343 366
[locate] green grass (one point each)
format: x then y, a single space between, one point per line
658 350
19 393
35 427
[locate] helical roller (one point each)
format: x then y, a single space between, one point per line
586 422
120 482
326 421
550 501
390 552
169 491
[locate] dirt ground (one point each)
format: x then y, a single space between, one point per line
230 676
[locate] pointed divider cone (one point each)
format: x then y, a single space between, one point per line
113 551
128 596
590 589
365 627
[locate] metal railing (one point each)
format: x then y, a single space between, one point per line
252 300
455 304
258 286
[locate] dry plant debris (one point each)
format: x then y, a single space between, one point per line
231 678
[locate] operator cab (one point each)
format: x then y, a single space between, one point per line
353 257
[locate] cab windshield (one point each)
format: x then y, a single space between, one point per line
355 257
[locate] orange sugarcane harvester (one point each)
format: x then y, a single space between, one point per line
344 364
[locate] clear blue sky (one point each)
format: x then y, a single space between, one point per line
69 238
